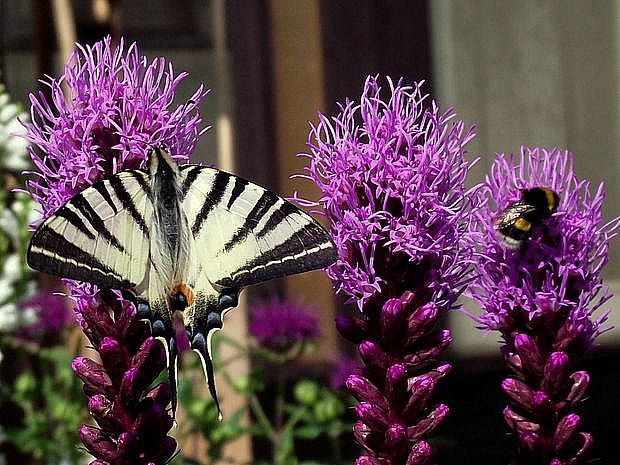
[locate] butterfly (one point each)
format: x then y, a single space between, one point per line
179 240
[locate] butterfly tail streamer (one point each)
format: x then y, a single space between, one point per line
200 346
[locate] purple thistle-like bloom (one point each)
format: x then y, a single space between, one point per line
52 315
119 106
392 178
541 297
281 325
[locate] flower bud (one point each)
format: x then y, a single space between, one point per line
421 454
150 359
556 372
543 405
365 391
131 387
368 460
372 415
101 408
126 445
439 372
581 380
530 442
440 342
396 383
514 362
98 322
375 359
127 318
520 393
112 357
396 439
97 444
392 315
420 322
565 431
421 391
584 449
364 435
93 375
529 353
352 328
519 423
160 394
426 425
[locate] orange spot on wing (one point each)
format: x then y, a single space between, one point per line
187 291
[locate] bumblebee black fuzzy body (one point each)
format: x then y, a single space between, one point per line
515 223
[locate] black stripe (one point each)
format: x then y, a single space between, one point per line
189 179
311 261
95 221
238 189
277 218
75 220
88 267
128 204
139 177
212 199
266 201
103 191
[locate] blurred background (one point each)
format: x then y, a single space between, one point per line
533 72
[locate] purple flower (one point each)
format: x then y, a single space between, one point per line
119 105
541 297
392 176
280 326
52 315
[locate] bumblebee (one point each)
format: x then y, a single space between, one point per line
515 223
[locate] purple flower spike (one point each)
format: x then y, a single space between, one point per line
119 106
392 176
542 298
133 421
280 326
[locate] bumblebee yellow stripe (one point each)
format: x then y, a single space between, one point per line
522 224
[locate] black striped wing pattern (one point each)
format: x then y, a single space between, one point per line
100 236
245 234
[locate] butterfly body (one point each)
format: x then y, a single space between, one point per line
179 239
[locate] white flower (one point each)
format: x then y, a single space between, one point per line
6 290
8 111
8 317
29 315
9 223
12 270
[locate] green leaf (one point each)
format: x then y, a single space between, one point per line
308 431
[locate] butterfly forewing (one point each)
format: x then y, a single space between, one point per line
245 234
99 236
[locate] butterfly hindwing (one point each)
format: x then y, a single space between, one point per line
100 236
